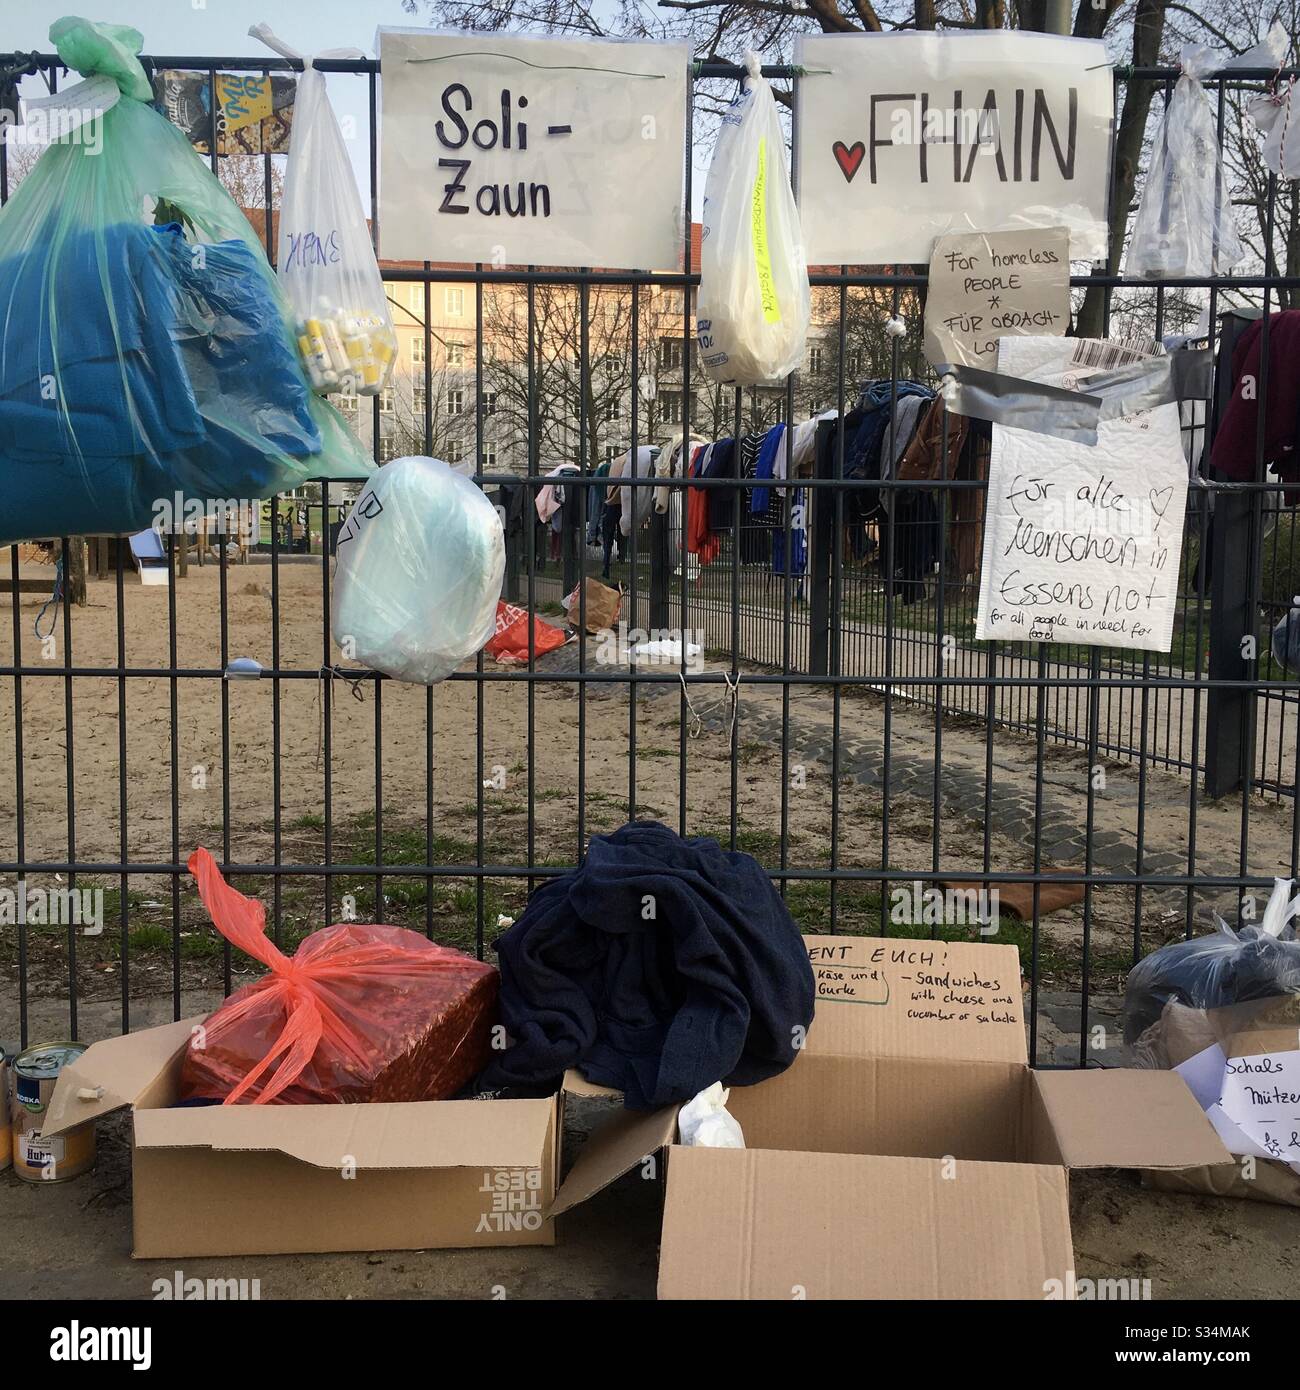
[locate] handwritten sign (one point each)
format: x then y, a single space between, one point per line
990 285
1253 1102
908 137
522 151
929 982
1081 543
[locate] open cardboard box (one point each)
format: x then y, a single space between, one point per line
910 1152
277 1179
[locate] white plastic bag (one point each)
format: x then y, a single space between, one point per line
754 303
705 1122
326 260
420 563
1276 113
1184 223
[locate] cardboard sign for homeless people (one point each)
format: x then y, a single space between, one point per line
907 137
910 1152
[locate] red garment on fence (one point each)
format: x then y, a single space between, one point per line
1235 442
700 539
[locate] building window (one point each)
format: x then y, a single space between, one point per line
387 448
814 360
670 355
489 399
417 349
455 354
455 301
855 362
386 401
455 401
418 397
613 410
455 450
347 400
672 407
613 451
489 458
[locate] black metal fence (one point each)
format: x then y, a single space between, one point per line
845 729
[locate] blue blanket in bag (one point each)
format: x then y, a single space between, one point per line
133 365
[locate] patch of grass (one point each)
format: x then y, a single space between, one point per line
149 937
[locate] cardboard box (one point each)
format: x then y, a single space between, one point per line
910 1152
1180 1038
279 1179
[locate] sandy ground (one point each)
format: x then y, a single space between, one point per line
1187 1246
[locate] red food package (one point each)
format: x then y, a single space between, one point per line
359 1013
510 641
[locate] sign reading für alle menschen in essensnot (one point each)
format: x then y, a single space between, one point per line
522 151
903 138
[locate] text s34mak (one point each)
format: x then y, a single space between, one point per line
521 151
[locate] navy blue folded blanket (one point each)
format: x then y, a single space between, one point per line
660 966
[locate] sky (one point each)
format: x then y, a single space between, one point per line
197 28
200 28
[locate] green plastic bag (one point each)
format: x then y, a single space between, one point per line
148 363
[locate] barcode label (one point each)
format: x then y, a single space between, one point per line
1100 353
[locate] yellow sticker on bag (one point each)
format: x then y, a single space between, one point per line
758 221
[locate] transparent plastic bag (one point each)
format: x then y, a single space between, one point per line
326 259
359 1014
420 563
1275 113
754 300
1286 638
149 351
1226 967
1184 224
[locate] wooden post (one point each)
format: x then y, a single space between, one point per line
74 581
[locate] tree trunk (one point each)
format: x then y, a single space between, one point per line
1148 29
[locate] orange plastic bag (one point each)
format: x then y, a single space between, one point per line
359 1013
510 641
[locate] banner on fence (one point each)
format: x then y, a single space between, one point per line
523 151
1082 542
908 137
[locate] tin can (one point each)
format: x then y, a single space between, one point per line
62 1156
6 1130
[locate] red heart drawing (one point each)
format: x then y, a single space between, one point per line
848 157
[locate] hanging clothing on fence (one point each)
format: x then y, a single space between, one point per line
765 466
635 507
722 500
596 505
550 497
700 538
798 539
897 436
938 429
1237 439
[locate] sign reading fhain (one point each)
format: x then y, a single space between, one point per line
522 151
903 138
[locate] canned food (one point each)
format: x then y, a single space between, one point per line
62 1156
6 1131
